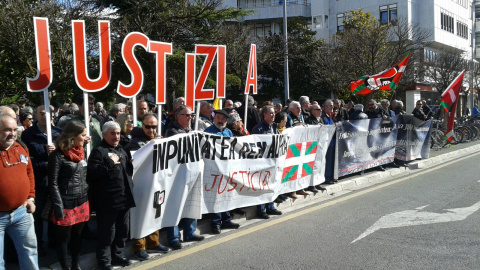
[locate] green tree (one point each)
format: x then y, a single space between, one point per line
181 22
304 52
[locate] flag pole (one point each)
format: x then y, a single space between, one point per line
197 115
86 115
246 110
48 116
134 110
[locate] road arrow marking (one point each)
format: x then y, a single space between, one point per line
416 217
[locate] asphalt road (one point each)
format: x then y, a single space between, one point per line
401 224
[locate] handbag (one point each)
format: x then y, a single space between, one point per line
47 210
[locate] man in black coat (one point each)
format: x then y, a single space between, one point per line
182 123
253 117
109 176
35 138
418 111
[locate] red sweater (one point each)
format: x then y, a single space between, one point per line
17 183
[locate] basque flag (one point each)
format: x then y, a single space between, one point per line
385 80
449 103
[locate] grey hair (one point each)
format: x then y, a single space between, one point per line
98 104
251 101
177 100
293 104
304 99
385 101
110 124
399 104
266 109
73 109
326 101
115 108
373 101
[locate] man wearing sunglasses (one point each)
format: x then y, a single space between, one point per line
183 119
17 193
141 136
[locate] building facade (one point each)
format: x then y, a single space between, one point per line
450 22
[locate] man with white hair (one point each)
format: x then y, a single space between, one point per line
109 175
358 113
228 104
205 119
17 195
294 117
305 104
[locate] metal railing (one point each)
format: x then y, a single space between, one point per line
270 3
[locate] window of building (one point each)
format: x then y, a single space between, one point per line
320 21
340 18
262 30
446 21
388 14
462 29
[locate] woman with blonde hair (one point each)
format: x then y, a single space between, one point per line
125 121
67 185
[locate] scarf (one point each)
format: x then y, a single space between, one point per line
75 153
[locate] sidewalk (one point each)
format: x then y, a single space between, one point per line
345 185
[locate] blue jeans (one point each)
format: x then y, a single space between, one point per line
19 226
329 163
218 219
188 225
261 207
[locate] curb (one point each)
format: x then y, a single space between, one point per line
88 261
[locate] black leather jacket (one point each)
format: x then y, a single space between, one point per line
67 183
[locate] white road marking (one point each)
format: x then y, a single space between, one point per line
416 217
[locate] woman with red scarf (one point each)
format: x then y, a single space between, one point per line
67 170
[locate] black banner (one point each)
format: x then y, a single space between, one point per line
364 144
413 138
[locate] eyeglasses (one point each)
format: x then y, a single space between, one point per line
186 114
130 122
149 127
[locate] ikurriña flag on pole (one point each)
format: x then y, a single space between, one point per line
449 102
386 80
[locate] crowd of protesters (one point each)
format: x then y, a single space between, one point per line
58 184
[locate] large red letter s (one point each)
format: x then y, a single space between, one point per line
131 40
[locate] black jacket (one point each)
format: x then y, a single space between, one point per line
264 128
67 183
173 129
312 120
419 114
253 117
139 139
36 141
111 185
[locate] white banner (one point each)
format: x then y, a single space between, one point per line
190 174
304 163
167 181
242 172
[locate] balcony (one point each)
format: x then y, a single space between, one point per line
477 25
269 9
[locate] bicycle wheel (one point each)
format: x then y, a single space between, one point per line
457 136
